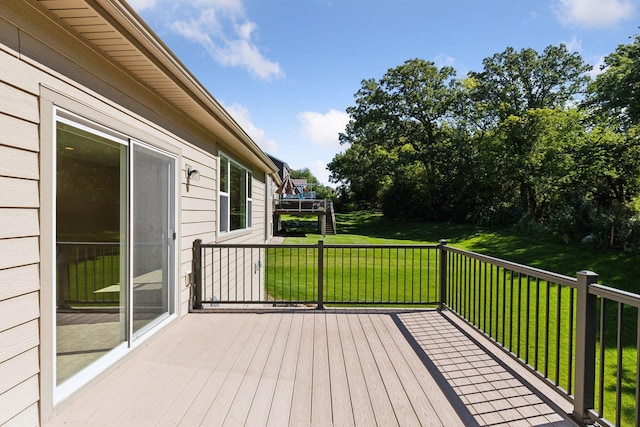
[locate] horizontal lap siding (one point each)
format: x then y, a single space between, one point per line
198 211
238 275
19 251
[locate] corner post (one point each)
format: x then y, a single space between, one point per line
197 274
586 314
442 246
320 305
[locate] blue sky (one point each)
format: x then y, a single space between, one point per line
288 69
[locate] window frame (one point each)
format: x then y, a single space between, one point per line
226 164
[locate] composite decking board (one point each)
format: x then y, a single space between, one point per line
265 366
201 360
321 410
361 402
247 392
121 390
264 396
280 409
201 403
223 398
166 379
402 407
382 407
138 373
342 409
303 385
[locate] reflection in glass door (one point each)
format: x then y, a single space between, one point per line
91 230
152 237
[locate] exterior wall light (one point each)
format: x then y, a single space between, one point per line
192 175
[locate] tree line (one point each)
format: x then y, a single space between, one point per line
530 140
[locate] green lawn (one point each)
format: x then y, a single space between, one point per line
616 269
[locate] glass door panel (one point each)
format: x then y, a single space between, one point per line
91 229
152 252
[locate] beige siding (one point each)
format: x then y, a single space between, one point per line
18 193
18 223
23 134
18 399
18 281
16 252
198 212
242 279
26 418
18 340
258 195
19 249
18 369
18 103
18 163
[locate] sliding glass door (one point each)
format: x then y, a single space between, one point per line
153 237
115 245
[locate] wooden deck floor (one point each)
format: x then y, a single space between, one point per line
309 367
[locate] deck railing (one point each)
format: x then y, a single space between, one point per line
86 273
316 274
299 205
580 337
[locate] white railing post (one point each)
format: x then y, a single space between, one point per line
586 315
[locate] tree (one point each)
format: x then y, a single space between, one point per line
615 93
506 94
613 101
397 121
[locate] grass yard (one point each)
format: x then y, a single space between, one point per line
616 269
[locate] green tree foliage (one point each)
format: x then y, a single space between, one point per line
613 103
615 94
399 140
511 89
510 144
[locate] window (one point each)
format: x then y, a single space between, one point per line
235 196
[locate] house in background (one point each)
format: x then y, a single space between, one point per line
113 160
283 168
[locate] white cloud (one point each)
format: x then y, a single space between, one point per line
597 68
574 45
233 6
323 129
595 13
242 115
443 60
222 29
319 170
140 5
